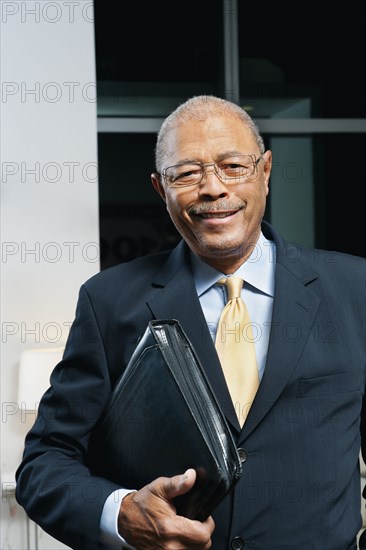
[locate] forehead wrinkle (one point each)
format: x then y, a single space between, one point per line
228 154
219 157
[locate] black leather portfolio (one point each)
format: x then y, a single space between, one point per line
163 418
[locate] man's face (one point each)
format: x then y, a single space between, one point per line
220 222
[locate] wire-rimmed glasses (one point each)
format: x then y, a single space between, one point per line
237 169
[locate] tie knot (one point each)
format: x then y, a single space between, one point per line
234 286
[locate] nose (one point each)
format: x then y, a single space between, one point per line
211 184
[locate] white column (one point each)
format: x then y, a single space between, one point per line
49 191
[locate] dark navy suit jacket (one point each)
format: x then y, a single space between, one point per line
300 488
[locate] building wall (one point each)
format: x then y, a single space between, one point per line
49 203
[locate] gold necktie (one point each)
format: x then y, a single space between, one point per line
235 347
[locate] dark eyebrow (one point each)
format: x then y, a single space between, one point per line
229 154
186 161
220 157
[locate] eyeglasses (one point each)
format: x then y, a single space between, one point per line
230 170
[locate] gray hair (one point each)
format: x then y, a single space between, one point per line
202 107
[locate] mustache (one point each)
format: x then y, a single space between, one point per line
219 206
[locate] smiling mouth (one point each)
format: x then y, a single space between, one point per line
209 211
208 215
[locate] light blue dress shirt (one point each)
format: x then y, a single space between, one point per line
258 273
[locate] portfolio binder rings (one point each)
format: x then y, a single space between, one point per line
163 418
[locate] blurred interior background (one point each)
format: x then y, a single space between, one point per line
298 70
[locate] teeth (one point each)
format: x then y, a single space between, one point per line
216 215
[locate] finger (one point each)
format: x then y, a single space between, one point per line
176 485
180 484
210 524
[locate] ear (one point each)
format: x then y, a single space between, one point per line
157 184
267 167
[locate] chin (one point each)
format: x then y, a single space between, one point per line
219 250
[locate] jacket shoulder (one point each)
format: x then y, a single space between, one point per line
326 259
138 269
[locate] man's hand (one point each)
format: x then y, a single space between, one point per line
148 520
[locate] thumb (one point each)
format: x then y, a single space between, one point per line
180 484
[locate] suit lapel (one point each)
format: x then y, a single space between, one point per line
174 297
294 310
295 307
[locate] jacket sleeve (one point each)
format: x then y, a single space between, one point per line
53 482
362 541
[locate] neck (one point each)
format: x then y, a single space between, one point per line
230 262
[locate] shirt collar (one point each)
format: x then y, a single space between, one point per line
258 270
